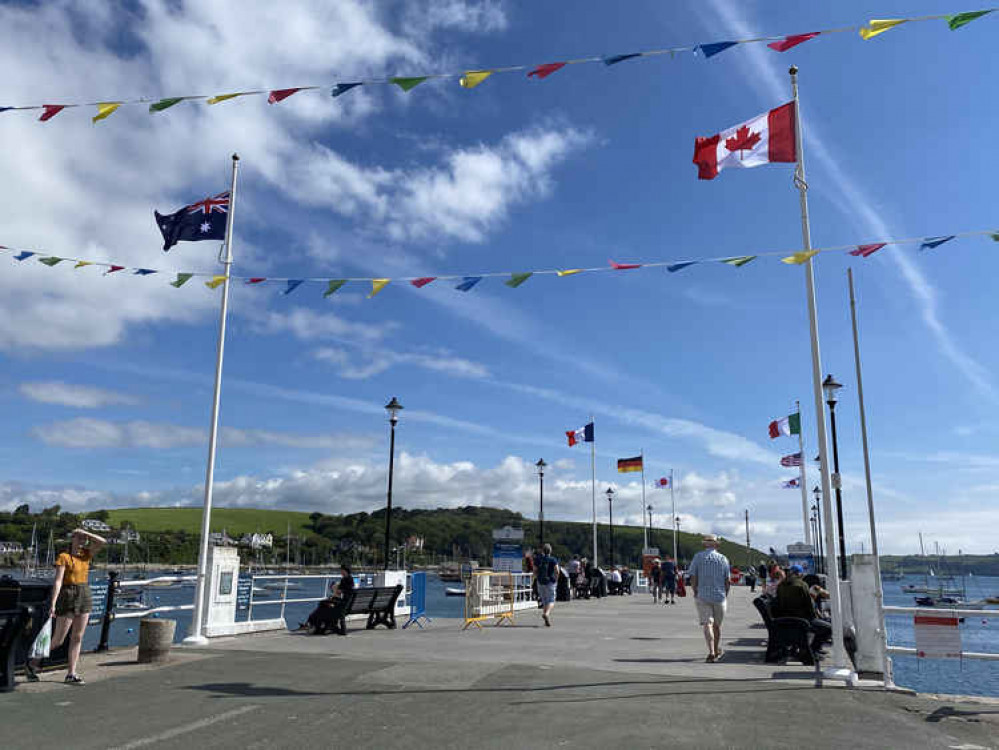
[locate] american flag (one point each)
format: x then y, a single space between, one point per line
793 460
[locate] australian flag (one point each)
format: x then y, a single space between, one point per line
204 220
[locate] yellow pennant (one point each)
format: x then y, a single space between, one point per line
82 263
377 285
879 26
798 258
473 78
216 282
104 109
570 272
222 98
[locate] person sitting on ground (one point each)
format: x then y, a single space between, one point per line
795 600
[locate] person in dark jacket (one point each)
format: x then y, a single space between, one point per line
795 600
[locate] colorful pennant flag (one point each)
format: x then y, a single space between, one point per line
82 263
105 109
24 255
293 284
934 242
583 435
799 257
789 425
113 269
765 139
377 285
615 59
623 266
674 267
473 78
865 251
165 104
468 282
223 98
995 237
182 278
792 41
570 271
879 26
545 69
712 49
50 261
422 282
793 459
143 272
791 484
740 261
625 465
407 84
256 280
334 285
961 19
51 110
342 88
279 95
215 282
516 279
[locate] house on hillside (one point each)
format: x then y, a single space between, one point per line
257 541
95 525
415 543
220 538
11 548
128 535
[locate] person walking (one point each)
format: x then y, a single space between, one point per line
546 575
655 581
710 580
71 601
668 577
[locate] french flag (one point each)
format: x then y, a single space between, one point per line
582 435
762 140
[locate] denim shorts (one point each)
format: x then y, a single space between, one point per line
546 593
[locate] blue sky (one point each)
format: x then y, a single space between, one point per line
106 386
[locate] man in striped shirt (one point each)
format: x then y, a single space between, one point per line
710 579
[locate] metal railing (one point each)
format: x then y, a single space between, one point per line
938 611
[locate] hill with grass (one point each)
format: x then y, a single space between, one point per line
234 521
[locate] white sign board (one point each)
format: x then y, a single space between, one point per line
938 636
508 532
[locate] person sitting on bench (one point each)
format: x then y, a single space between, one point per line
321 619
795 600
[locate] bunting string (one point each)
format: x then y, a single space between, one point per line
512 279
471 78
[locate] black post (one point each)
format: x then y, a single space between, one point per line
839 493
388 507
610 510
541 501
108 610
650 525
822 549
815 535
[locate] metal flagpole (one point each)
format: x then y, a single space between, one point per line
878 590
839 668
804 484
196 635
672 499
645 531
593 487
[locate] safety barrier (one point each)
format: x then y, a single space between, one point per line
496 595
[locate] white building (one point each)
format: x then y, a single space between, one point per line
11 548
96 525
257 541
220 538
128 535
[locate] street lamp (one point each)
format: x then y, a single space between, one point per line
610 511
649 509
393 407
830 386
541 500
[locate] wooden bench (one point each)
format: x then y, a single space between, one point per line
378 603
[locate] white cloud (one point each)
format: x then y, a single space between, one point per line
308 325
366 363
77 396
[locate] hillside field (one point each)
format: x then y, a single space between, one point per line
235 521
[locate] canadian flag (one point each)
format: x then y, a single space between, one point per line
764 139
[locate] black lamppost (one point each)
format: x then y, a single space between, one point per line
393 407
541 500
830 386
649 509
817 492
610 510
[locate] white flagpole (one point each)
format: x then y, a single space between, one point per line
672 499
804 483
593 486
196 634
839 668
645 530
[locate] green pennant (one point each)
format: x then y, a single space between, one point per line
961 19
408 83
995 236
164 104
335 284
50 261
517 279
182 278
740 261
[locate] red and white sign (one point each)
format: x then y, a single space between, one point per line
937 636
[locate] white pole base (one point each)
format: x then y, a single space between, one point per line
844 674
195 640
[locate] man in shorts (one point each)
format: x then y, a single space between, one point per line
710 580
546 573
668 579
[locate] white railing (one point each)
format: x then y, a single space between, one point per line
132 614
362 580
956 612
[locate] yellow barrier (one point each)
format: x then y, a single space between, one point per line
490 595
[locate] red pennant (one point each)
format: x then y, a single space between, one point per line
422 282
546 69
623 266
864 251
112 269
51 110
256 280
791 41
278 95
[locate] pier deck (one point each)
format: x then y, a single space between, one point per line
615 673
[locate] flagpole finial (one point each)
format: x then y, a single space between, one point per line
793 70
235 157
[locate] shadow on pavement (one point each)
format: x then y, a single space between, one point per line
948 712
246 690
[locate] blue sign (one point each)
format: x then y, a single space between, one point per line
99 598
244 590
508 556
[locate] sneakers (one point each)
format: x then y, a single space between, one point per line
29 672
74 679
548 622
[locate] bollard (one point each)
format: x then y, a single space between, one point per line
155 639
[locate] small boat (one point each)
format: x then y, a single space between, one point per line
257 591
891 575
282 585
454 590
134 604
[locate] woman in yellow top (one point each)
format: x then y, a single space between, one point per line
71 602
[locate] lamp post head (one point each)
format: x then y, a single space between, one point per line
393 407
541 466
610 494
830 386
817 491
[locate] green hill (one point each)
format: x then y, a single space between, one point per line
235 521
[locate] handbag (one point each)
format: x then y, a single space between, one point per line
43 642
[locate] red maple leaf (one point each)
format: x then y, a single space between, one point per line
744 140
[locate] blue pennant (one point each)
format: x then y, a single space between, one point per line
468 282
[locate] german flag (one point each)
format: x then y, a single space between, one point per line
625 465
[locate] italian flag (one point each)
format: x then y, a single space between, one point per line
762 140
789 425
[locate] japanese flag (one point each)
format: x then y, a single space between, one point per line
764 139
